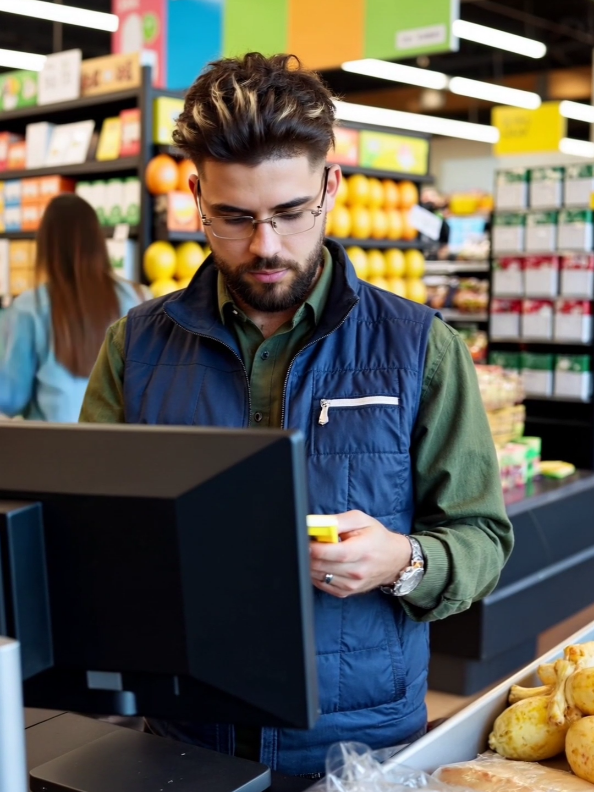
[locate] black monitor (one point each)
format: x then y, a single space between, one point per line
160 571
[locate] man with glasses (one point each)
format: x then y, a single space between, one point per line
276 330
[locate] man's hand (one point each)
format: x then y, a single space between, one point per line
368 556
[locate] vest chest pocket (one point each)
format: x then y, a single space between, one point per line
357 425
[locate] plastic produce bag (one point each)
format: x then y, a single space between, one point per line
354 767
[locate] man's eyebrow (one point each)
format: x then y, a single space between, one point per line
229 209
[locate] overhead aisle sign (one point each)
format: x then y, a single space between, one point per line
528 131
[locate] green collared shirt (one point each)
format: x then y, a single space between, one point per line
460 518
267 360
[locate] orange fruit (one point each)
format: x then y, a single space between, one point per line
185 169
358 190
395 263
376 264
391 194
408 232
161 175
394 218
360 222
358 259
416 290
340 222
376 193
379 224
414 264
397 286
159 261
409 194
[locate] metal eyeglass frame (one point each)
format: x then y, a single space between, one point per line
207 221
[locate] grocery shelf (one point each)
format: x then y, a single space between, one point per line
49 110
89 168
382 244
572 399
181 236
107 230
548 421
455 267
349 170
452 315
519 341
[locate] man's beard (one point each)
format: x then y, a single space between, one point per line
272 297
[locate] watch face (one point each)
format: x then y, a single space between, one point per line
409 581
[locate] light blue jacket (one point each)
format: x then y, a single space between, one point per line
32 382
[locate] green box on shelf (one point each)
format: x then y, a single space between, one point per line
533 454
537 361
509 361
18 89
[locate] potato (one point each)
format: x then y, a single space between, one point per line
524 732
579 748
580 690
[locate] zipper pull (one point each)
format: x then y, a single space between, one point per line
323 419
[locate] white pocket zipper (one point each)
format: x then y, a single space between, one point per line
364 401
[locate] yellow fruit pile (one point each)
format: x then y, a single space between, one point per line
169 269
394 270
367 208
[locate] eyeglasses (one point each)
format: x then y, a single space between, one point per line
283 223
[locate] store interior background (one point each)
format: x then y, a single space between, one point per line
458 166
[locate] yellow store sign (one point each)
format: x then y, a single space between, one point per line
529 131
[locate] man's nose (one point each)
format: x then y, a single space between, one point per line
265 243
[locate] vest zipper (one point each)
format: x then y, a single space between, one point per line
311 343
364 401
233 352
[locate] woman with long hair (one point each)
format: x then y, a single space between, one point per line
50 336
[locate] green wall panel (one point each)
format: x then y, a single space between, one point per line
255 26
407 28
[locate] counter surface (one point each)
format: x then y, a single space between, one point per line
544 491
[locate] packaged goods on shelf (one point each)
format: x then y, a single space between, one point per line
505 318
579 185
182 213
114 202
110 140
508 276
575 229
17 155
533 454
7 139
573 376
499 388
13 189
541 276
18 89
4 268
130 143
513 465
476 341
70 143
537 319
511 189
467 295
537 374
165 113
50 186
510 362
22 266
509 232
577 276
546 188
541 231
131 204
573 321
13 218
122 255
110 73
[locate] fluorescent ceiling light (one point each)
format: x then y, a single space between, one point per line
13 59
499 39
396 119
397 72
491 92
579 148
56 12
577 111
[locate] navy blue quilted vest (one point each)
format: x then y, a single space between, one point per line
183 366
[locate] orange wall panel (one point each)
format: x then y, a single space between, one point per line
325 33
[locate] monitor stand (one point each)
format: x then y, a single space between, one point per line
131 761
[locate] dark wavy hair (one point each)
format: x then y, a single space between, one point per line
251 109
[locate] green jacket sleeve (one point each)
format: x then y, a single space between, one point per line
460 522
104 399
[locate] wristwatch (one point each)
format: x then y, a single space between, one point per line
411 576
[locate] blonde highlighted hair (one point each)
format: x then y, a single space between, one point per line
254 108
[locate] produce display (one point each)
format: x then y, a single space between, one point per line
169 269
367 208
395 270
543 721
468 295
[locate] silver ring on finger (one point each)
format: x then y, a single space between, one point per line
328 578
